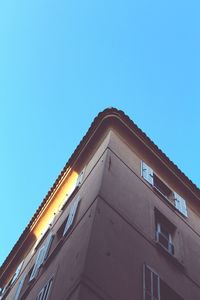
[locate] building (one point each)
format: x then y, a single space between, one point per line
121 222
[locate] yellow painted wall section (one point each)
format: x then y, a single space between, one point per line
55 203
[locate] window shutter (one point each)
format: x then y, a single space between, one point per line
19 287
151 284
38 262
80 178
42 255
17 272
44 293
71 215
180 204
147 173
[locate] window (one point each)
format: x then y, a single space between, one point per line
164 232
44 293
76 185
80 178
71 216
4 291
151 282
17 272
154 288
19 287
163 190
41 256
164 237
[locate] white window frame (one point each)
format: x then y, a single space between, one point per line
158 229
152 272
45 291
170 248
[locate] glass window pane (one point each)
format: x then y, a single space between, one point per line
147 279
155 286
164 231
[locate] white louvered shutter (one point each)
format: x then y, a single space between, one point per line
42 255
147 173
180 204
71 215
17 272
38 263
19 287
80 178
44 293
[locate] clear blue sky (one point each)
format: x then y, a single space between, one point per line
61 62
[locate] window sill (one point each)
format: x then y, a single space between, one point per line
172 257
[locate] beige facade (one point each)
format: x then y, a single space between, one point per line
130 230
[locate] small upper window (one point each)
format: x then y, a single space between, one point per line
164 232
67 224
164 237
74 187
80 178
71 216
17 272
6 289
41 256
19 287
163 190
45 291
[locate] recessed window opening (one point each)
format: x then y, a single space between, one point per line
61 229
164 237
162 188
164 232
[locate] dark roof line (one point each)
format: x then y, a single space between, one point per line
105 113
